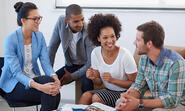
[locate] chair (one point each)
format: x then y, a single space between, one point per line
13 104
180 50
1 65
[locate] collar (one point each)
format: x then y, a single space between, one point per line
160 59
80 34
21 42
67 26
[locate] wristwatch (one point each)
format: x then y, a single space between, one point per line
141 105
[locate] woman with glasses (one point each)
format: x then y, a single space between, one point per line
111 65
21 79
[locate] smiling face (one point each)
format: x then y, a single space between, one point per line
107 38
76 22
33 20
141 47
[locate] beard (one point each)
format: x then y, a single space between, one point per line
141 51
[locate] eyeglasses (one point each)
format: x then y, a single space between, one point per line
36 19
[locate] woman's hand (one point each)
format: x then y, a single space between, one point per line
92 74
57 81
106 76
89 74
49 88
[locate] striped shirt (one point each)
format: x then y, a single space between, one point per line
165 79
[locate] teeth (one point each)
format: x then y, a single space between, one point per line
109 45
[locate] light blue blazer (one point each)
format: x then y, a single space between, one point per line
13 70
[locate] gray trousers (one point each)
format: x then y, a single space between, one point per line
178 108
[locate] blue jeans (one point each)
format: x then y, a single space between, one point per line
20 94
87 84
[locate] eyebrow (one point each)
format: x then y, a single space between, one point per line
36 16
79 20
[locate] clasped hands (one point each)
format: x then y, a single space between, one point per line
51 88
127 102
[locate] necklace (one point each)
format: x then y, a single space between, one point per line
109 59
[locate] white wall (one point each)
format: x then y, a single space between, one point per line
2 18
173 23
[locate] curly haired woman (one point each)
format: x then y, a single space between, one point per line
111 65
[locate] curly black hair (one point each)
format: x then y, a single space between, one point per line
99 21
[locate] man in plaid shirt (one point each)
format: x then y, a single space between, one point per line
161 70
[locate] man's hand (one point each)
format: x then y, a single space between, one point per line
107 77
129 103
67 78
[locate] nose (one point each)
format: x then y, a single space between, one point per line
38 20
134 42
81 23
109 40
38 23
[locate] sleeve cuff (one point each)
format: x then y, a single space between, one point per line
30 82
74 76
54 74
167 102
135 88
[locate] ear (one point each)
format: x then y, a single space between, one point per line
149 44
98 39
23 20
67 20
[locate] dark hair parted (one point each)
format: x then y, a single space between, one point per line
152 31
73 9
23 10
99 21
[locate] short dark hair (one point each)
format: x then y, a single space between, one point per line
152 31
23 10
99 21
73 9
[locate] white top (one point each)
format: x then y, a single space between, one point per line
123 64
72 48
28 65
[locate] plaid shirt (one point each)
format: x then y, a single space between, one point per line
165 79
